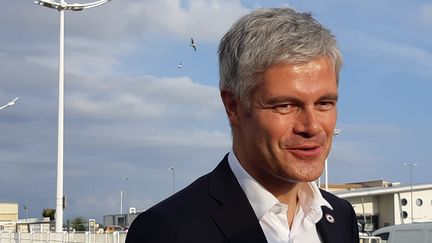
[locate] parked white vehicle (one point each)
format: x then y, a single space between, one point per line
406 233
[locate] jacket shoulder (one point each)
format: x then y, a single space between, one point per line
175 218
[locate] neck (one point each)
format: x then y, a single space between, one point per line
287 194
291 199
285 191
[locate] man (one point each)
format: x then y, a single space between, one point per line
279 72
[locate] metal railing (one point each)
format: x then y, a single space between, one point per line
65 237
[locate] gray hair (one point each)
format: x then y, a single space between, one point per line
266 37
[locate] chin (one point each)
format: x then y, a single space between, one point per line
309 176
301 177
308 179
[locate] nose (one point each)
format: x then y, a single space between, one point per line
307 123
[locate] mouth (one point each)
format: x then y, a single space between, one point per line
306 152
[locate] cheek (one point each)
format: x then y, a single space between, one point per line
330 125
328 121
274 127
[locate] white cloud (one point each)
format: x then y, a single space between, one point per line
128 19
145 111
157 16
97 39
113 106
143 97
190 139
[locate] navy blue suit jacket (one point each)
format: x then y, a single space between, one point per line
214 209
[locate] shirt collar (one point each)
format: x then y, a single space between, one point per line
262 201
311 201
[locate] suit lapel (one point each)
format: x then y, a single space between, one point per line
327 226
235 217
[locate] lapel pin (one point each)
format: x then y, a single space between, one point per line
329 218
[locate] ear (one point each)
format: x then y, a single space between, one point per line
232 106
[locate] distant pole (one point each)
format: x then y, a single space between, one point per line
121 202
25 212
335 133
93 187
127 193
411 184
173 178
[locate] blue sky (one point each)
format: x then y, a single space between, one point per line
130 112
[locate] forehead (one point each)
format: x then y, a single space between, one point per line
315 76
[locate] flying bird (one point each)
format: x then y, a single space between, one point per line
180 65
192 44
11 103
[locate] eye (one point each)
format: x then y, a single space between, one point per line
285 108
326 105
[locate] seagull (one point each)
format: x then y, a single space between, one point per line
11 103
192 44
180 65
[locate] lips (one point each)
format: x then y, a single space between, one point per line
306 152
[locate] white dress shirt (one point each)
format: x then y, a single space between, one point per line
272 214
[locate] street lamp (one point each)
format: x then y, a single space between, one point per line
127 195
411 165
93 187
121 202
335 133
25 212
173 178
61 7
10 103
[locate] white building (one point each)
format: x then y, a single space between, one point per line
8 215
382 203
8 211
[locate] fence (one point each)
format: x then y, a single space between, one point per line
51 237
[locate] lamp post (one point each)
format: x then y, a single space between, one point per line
173 178
61 7
121 202
93 188
411 165
10 103
127 196
335 133
25 212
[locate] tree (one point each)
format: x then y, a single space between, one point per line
48 213
78 223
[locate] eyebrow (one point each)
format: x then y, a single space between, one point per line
281 99
330 97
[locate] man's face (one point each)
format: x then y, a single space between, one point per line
287 134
